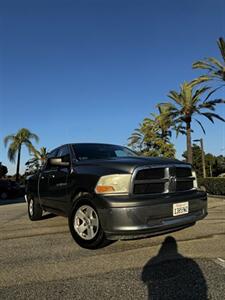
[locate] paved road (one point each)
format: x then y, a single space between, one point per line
39 260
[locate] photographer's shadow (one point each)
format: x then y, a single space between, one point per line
169 275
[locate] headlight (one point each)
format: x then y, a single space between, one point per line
195 183
113 184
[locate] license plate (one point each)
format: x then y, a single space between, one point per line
180 208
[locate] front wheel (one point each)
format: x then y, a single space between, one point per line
34 209
85 225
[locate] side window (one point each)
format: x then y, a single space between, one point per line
52 154
119 153
64 153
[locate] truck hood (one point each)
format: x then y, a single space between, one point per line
128 164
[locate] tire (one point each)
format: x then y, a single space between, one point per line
3 195
34 209
85 226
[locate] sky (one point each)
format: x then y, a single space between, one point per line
91 70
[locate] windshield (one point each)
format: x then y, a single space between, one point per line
101 151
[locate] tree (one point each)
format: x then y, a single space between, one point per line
22 137
210 165
197 159
219 166
152 136
136 140
215 165
187 103
3 170
38 159
41 155
215 68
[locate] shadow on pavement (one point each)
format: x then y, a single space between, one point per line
169 275
12 201
48 216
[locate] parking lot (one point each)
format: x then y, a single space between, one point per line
40 260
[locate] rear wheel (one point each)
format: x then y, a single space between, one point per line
85 226
34 209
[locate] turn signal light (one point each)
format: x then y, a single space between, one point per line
104 189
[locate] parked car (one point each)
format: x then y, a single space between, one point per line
108 192
9 189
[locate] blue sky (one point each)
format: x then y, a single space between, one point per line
91 70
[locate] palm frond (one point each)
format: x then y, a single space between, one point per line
213 91
216 62
203 64
34 136
216 116
199 92
216 101
8 138
195 82
221 45
210 116
13 148
30 147
206 105
215 68
200 125
175 96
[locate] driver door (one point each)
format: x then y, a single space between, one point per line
57 195
43 187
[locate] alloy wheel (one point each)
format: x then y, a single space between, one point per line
31 207
86 222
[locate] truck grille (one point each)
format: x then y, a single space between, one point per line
168 179
152 173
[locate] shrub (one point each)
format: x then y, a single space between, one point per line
213 185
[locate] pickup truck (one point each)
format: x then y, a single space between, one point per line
108 192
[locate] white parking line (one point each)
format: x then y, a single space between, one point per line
220 262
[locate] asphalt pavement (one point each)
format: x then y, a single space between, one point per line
40 260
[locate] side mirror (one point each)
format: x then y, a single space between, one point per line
57 161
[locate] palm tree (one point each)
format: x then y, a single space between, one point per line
41 155
153 135
215 68
136 140
38 159
159 123
188 103
166 122
22 137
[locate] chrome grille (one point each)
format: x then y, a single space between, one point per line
166 179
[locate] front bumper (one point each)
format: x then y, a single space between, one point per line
132 217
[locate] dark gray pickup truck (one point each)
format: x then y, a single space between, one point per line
108 192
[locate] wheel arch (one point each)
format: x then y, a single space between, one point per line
76 197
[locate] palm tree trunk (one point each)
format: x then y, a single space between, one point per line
189 146
18 164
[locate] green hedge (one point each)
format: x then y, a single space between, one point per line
213 185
